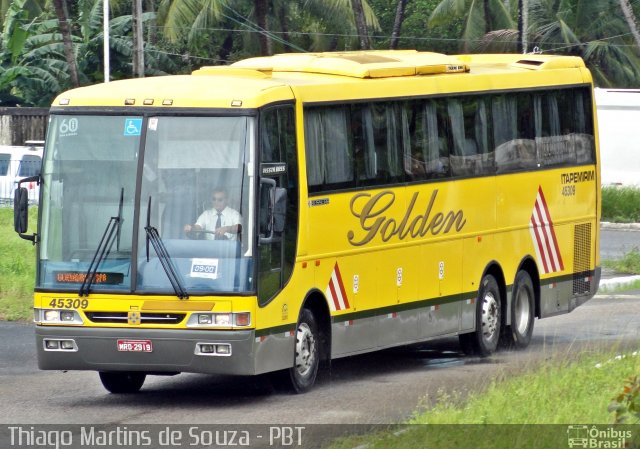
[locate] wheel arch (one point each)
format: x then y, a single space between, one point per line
529 265
316 302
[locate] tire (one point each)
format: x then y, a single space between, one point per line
122 382
518 334
484 340
301 377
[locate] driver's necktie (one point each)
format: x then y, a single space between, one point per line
218 225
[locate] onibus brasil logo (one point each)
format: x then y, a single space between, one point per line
593 437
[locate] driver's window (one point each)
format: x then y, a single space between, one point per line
277 145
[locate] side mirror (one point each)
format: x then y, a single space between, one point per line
273 205
21 209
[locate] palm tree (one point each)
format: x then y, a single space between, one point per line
62 12
397 23
267 22
361 24
480 18
630 17
590 29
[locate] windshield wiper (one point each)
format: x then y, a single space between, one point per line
110 234
163 255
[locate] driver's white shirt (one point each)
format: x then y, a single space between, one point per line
207 221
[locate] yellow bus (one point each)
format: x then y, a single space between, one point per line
285 211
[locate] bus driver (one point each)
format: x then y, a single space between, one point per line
218 223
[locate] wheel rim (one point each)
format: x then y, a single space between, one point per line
490 316
522 310
305 350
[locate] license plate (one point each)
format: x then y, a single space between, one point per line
135 346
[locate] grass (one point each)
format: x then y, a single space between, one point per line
629 263
621 204
619 288
558 393
17 269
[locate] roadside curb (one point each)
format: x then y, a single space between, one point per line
608 285
620 226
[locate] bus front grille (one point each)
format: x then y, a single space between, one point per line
143 318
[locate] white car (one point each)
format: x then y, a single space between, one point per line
16 163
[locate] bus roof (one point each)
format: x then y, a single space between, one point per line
334 76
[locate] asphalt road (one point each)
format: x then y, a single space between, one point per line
617 241
385 387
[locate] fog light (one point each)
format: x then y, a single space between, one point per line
66 315
204 318
67 345
52 344
223 349
207 348
51 315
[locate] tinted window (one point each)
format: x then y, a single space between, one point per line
382 143
30 165
4 163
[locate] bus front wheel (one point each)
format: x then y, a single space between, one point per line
302 375
484 340
122 382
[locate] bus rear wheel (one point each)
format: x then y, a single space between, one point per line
484 340
122 382
518 334
301 377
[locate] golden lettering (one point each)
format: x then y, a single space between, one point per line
373 221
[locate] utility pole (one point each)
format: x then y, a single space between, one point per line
105 39
138 40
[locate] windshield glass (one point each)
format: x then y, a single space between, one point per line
192 168
89 176
196 192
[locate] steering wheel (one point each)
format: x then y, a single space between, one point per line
198 234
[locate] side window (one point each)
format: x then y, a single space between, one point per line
278 145
388 133
469 128
576 123
5 160
513 132
328 147
429 157
29 165
551 142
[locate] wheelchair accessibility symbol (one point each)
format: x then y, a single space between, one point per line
132 127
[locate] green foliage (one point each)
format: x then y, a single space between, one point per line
566 389
17 269
626 405
629 263
621 204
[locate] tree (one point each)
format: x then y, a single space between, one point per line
630 17
63 23
397 23
361 24
479 18
587 28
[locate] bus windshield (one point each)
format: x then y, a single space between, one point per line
134 203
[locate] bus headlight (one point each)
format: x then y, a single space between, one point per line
54 316
222 319
208 319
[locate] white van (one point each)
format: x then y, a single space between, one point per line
16 163
618 117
